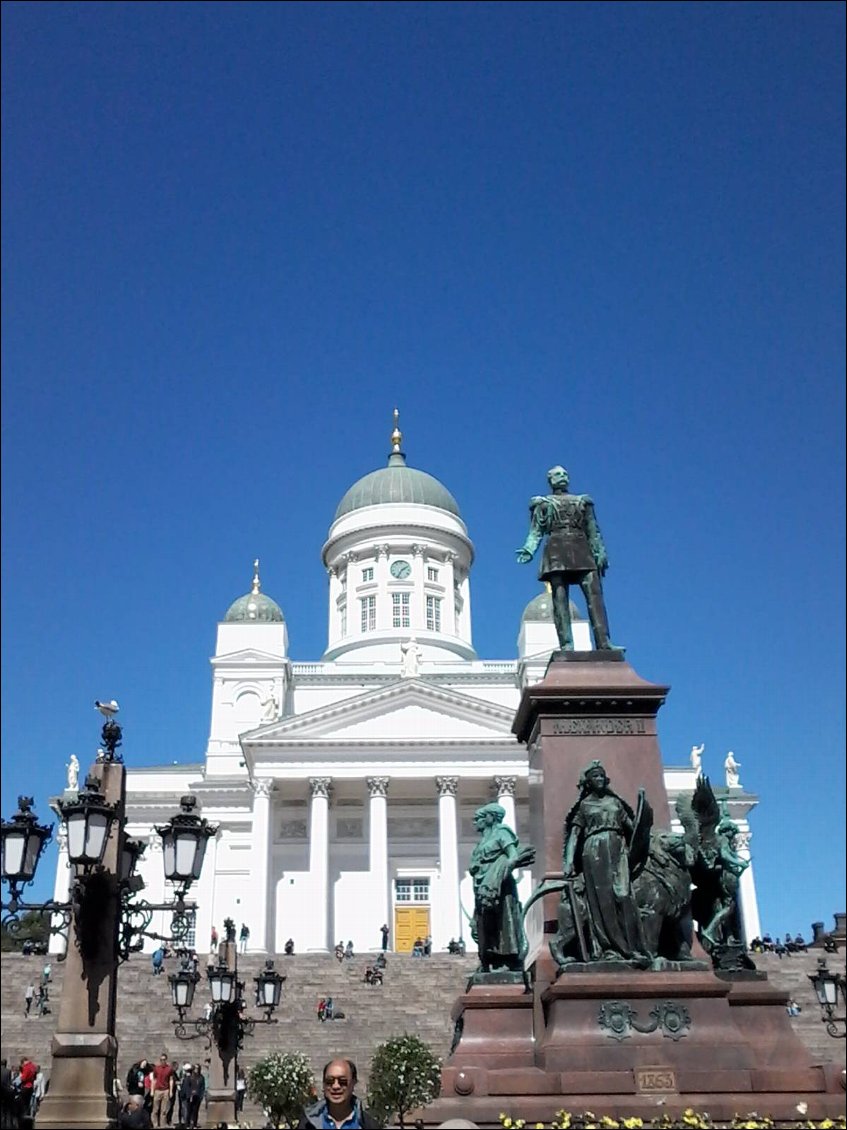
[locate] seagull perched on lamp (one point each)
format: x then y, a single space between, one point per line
107 709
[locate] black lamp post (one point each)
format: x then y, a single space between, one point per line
227 1024
828 985
104 918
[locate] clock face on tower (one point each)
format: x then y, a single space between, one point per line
400 570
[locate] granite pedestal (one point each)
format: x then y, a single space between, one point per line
618 1042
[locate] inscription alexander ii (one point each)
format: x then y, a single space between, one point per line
601 727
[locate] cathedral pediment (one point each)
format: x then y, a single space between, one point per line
402 711
247 656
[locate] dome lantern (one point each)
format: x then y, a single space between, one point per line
254 606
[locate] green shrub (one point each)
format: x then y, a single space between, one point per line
404 1075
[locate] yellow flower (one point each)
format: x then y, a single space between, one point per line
633 1123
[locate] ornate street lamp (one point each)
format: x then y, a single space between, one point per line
104 918
23 840
268 988
227 1025
89 820
182 985
223 983
131 852
827 986
184 840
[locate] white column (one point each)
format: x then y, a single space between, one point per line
205 896
260 843
465 592
378 840
154 880
748 903
58 943
382 577
351 580
448 846
505 789
334 629
418 598
319 862
448 605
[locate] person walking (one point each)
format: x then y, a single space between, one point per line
192 1090
181 1092
46 973
163 1085
27 1073
240 1090
385 932
39 1089
214 942
43 1001
244 937
29 995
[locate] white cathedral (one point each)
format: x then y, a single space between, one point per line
345 788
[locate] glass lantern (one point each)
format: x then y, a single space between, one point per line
22 840
184 840
89 819
268 987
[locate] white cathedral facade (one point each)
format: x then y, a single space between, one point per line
345 788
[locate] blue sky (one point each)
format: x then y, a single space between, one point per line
607 235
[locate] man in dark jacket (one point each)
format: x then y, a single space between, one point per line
191 1092
135 1077
339 1109
134 1116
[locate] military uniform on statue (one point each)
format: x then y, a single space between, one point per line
627 1008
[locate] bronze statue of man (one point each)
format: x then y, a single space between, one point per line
574 554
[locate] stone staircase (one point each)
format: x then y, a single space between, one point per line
417 997
791 974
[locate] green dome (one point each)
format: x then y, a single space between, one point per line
254 607
397 483
541 608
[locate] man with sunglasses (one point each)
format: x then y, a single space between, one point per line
339 1109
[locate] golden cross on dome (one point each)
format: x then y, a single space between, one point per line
396 435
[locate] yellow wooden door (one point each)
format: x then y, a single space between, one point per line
410 922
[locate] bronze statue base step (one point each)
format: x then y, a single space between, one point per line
607 655
499 977
659 965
